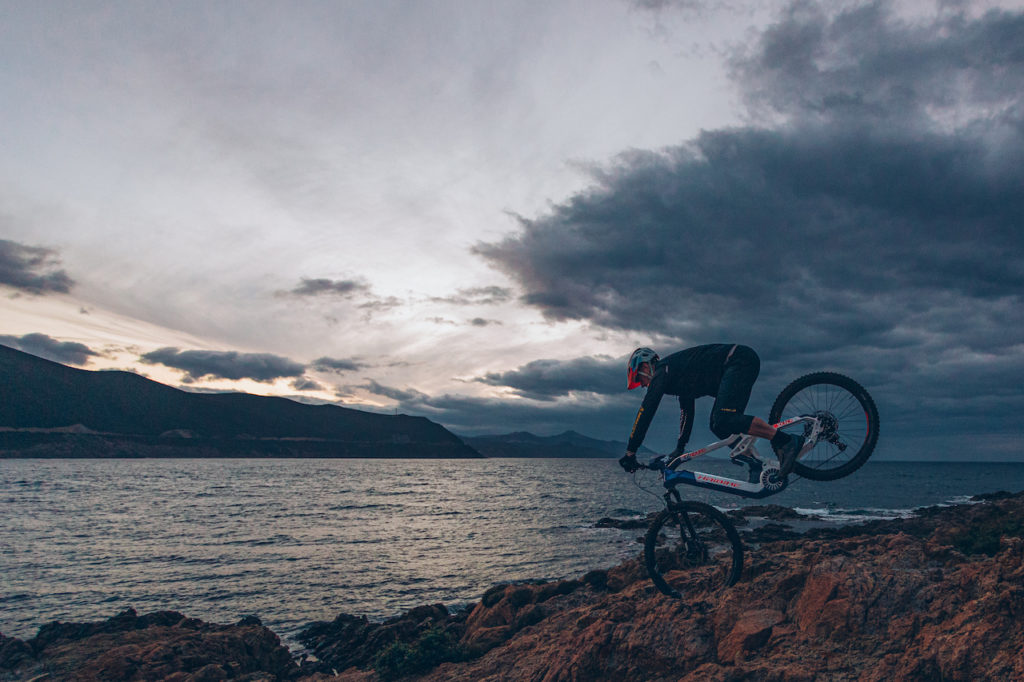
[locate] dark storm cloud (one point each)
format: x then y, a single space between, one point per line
347 289
32 269
405 396
477 296
552 379
326 364
871 222
767 224
66 352
600 416
330 287
225 364
862 65
306 384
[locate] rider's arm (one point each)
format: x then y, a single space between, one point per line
686 409
646 413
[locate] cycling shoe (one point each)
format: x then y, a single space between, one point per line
787 453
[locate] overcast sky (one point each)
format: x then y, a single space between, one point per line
474 211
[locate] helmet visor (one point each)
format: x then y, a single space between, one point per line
635 376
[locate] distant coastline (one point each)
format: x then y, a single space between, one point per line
28 445
568 444
55 411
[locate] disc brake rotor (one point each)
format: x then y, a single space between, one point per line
829 428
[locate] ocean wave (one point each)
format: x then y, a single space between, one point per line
836 515
349 507
959 499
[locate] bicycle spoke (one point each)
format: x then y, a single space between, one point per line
847 423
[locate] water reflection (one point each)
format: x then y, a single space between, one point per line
301 540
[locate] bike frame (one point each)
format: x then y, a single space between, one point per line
745 445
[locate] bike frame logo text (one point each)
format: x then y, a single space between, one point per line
705 478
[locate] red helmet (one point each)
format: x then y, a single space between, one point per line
636 361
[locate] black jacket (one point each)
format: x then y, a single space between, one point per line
688 374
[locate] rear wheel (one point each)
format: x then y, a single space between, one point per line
848 417
696 538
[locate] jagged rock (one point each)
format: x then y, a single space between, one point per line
624 524
161 645
868 603
752 631
353 641
938 596
13 652
769 532
772 512
988 497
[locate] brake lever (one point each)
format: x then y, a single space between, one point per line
656 464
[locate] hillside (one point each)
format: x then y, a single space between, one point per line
109 413
567 444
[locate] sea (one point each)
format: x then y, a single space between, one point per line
294 541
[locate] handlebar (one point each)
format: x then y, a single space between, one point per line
656 464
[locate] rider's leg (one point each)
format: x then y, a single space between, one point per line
738 377
727 418
762 429
787 446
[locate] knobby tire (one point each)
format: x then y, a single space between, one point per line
693 537
848 405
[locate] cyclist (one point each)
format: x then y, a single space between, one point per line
724 371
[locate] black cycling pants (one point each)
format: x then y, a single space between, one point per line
738 377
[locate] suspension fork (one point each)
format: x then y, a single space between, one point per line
672 495
683 519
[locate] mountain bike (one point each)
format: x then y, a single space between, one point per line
839 422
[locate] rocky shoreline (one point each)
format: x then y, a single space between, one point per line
936 596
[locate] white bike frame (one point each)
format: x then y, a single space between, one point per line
745 446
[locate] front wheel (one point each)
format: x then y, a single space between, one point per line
847 416
696 538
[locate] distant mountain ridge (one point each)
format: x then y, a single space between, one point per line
567 444
113 413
